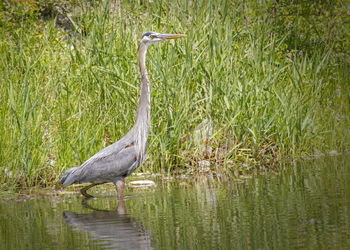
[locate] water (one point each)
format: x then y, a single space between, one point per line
305 206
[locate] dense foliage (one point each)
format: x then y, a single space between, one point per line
253 82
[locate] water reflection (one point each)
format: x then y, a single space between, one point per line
305 206
112 228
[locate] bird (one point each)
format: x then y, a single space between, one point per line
120 159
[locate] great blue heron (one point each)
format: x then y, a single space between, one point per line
117 161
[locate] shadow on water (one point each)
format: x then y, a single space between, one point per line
113 228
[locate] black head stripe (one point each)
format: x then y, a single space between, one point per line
147 34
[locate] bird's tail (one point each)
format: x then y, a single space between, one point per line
67 178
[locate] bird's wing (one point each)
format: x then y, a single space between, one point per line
114 148
110 166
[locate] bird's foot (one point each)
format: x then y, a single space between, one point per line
83 191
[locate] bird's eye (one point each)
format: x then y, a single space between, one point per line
152 36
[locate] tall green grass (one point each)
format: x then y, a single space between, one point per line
256 80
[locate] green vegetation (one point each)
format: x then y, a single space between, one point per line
252 83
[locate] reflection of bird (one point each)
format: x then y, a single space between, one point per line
117 161
114 229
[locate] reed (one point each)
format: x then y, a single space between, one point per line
253 82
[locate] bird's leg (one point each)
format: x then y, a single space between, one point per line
83 190
121 207
119 185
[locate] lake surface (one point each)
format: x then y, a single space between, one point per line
305 206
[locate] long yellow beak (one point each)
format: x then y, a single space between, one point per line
170 36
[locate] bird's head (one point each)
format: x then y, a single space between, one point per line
153 37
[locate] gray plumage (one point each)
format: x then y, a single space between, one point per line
119 160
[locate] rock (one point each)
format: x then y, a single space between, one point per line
143 183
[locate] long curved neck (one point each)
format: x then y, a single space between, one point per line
143 118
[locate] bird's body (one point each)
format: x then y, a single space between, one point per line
119 160
109 165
